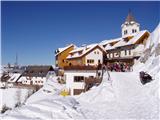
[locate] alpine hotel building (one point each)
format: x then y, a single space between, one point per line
127 48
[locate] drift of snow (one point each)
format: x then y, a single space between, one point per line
151 56
47 104
96 94
12 96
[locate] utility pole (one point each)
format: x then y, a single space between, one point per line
16 63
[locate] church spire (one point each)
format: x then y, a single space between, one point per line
130 17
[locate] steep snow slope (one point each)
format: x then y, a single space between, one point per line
130 99
150 61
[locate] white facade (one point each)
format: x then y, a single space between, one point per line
96 55
36 80
69 77
32 80
130 29
128 53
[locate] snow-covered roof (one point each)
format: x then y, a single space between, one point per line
77 49
79 52
109 47
105 42
123 42
120 43
14 77
136 37
22 79
63 49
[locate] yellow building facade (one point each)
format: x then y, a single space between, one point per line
61 55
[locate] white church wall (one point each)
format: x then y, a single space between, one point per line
129 29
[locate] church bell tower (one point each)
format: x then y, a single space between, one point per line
130 27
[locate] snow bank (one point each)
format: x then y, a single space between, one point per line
51 108
47 104
104 92
50 89
11 96
150 61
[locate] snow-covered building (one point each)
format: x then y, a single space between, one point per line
61 55
127 48
86 55
14 77
130 46
76 76
35 75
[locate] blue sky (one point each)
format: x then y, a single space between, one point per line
34 30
